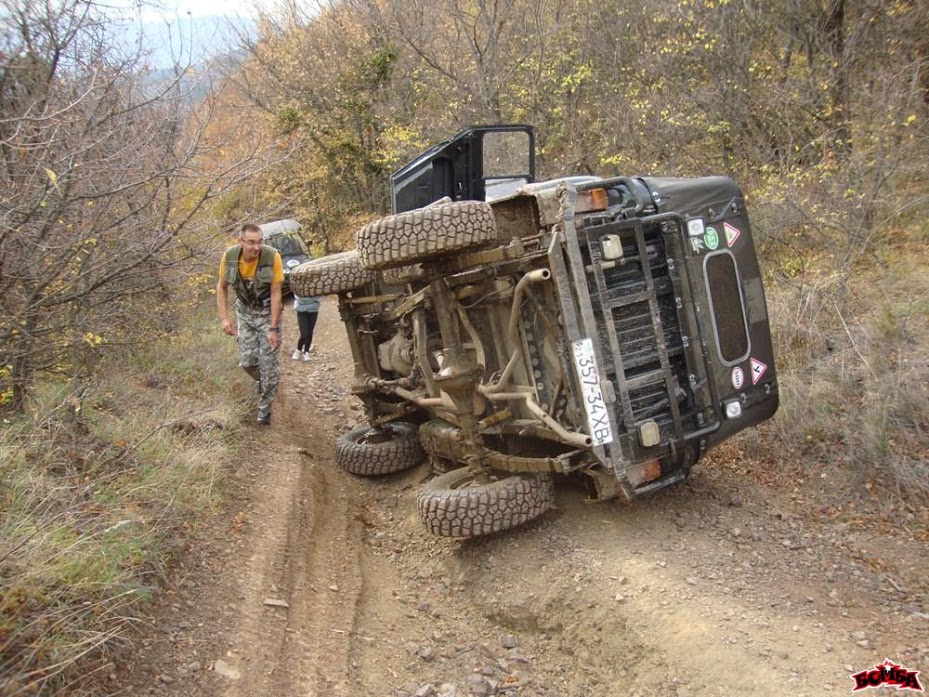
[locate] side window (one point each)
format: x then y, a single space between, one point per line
507 162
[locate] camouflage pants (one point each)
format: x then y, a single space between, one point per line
255 355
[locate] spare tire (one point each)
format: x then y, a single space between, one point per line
335 273
426 233
454 505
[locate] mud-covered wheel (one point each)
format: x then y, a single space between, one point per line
371 451
335 273
454 505
426 233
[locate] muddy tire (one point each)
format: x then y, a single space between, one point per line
371 452
452 505
335 273
426 233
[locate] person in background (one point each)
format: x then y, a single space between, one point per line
307 312
255 273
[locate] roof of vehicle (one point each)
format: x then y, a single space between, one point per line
279 227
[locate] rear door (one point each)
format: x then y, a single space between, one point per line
726 298
479 163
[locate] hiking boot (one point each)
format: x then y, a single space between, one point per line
296 355
264 419
306 355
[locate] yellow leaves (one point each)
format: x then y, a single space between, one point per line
398 140
201 282
52 177
793 267
898 8
667 117
92 339
574 80
619 161
910 120
760 69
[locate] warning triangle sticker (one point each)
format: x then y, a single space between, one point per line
758 370
732 233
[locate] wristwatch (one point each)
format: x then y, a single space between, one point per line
276 330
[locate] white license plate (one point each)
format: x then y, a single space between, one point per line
598 419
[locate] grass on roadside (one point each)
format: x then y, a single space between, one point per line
97 485
852 351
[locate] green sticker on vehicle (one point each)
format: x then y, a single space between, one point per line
711 238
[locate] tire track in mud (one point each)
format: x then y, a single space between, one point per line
305 551
260 644
332 587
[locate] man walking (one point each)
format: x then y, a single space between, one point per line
255 273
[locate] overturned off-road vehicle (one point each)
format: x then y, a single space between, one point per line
510 331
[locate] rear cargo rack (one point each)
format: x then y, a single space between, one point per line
635 306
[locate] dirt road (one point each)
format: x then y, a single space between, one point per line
318 583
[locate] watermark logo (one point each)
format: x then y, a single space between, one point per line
887 674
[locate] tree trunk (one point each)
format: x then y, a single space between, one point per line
840 116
